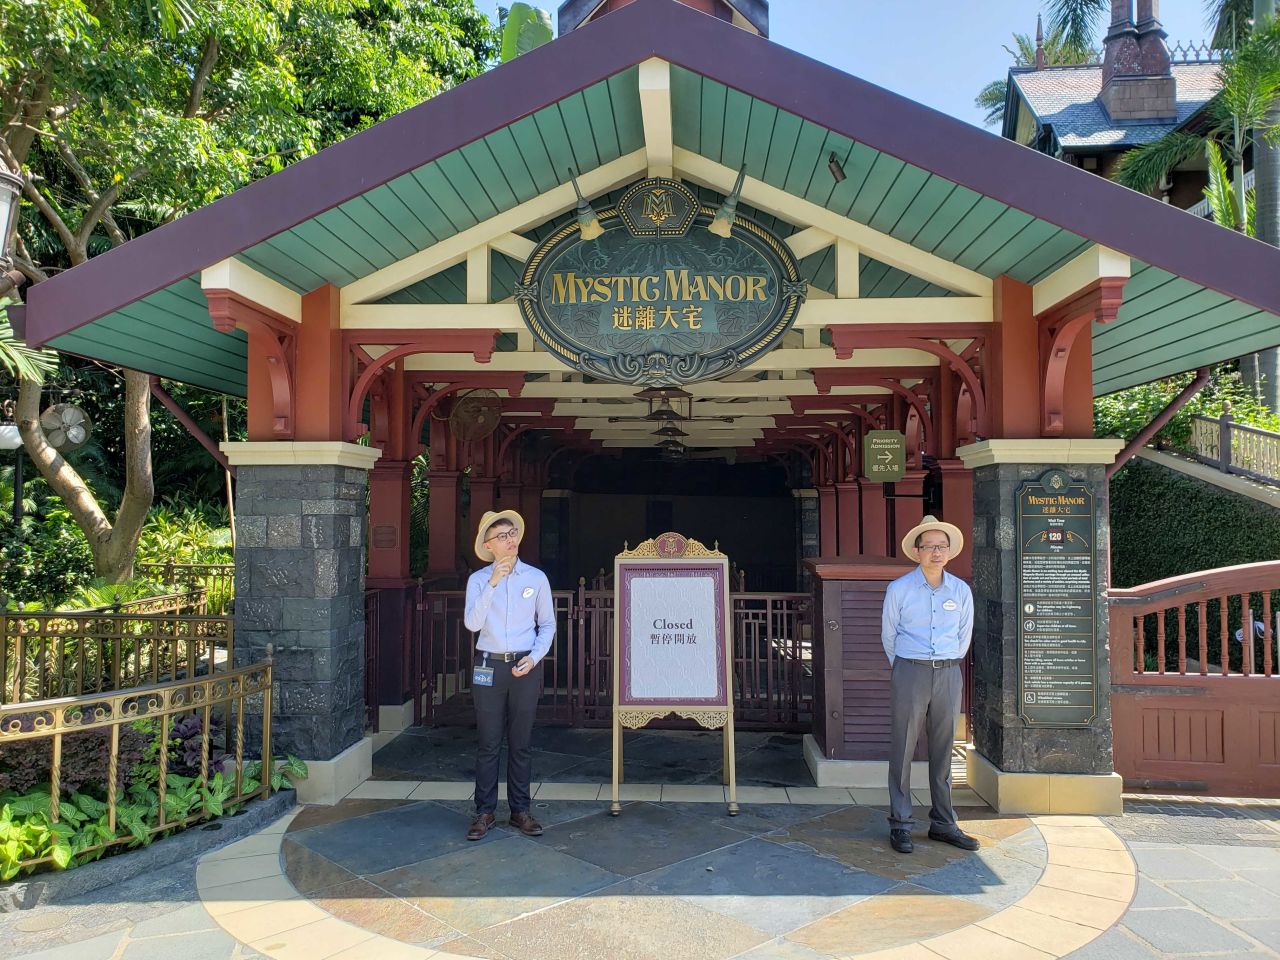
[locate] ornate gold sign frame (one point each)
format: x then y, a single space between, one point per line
672 550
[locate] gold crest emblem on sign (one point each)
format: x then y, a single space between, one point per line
658 206
1056 482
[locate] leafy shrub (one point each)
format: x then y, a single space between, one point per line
24 765
185 533
43 560
1124 413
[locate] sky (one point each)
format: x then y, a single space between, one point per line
938 53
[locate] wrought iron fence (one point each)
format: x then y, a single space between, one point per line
48 655
217 579
220 706
1236 448
194 602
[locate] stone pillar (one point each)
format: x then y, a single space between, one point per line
849 538
828 522
1015 767
442 522
300 575
806 534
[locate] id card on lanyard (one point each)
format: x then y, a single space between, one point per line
482 676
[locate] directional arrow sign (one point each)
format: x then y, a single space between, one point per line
884 455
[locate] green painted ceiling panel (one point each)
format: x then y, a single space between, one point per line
711 126
880 179
1061 248
386 203
492 177
471 192
299 245
822 186
809 160
577 126
983 215
409 192
782 149
958 203
1005 231
1006 257
457 214
686 101
377 245
921 207
759 137
628 123
733 137
599 108
900 196
280 267
102 341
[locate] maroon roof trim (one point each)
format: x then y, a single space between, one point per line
1048 189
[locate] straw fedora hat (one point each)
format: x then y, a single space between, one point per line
933 523
488 520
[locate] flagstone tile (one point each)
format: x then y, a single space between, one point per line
1094 883
623 922
858 837
214 873
645 837
828 795
1106 861
974 941
467 947
765 885
903 915
392 838
1050 934
315 941
484 885
318 816
1094 838
308 871
989 825
381 949
687 793
383 790
221 901
1097 912
784 949
569 791
987 877
271 919
549 813
444 790
755 818
870 796
370 907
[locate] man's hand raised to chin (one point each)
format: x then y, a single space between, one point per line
500 569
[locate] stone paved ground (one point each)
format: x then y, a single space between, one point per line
1209 882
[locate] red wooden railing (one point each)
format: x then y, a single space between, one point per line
773 670
1194 697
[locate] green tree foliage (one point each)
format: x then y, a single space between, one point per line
522 27
1058 51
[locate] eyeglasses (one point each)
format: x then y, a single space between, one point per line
507 536
934 547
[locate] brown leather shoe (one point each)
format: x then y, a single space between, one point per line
525 823
480 826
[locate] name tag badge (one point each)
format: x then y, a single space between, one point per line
949 605
482 676
527 592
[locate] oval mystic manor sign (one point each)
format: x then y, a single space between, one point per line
656 298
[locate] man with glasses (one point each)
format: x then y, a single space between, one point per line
926 628
509 605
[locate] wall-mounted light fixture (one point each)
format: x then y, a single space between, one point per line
588 222
837 171
722 225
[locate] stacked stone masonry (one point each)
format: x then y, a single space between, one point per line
299 588
999 733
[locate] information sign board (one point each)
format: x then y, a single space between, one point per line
1057 658
671 643
884 455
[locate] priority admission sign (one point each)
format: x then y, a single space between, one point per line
884 456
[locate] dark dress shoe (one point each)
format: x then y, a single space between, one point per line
480 826
525 823
955 837
900 840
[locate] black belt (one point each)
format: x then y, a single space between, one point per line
504 657
935 664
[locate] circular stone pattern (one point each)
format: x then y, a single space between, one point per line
377 878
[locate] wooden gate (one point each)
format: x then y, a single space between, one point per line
772 644
1195 703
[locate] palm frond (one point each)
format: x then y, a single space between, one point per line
991 99
19 360
1220 192
1229 20
1143 168
1250 82
1076 20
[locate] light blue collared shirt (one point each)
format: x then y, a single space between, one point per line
515 615
921 623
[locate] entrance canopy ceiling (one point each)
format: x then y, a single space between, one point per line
425 219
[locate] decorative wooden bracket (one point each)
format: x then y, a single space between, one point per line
271 336
1060 326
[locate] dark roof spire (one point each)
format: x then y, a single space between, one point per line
1041 61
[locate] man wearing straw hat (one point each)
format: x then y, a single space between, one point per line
509 604
926 628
